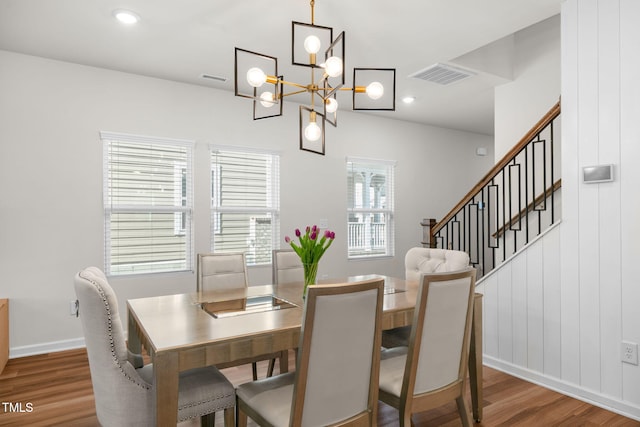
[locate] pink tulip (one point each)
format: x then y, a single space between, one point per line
313 235
298 232
287 239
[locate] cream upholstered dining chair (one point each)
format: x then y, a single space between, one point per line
225 271
287 267
433 260
433 368
221 271
328 387
416 262
123 388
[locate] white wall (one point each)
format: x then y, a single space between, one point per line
51 180
535 87
558 312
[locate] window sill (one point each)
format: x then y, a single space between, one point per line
370 258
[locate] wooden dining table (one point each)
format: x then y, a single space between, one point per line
225 328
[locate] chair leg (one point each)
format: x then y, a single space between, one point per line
208 420
229 417
463 410
272 365
254 369
404 416
241 417
405 421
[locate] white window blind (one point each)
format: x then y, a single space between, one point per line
148 201
370 208
245 203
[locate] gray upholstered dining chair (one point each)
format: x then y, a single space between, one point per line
287 267
433 368
225 271
416 262
123 388
328 387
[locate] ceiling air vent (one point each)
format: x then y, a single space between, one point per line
217 78
442 74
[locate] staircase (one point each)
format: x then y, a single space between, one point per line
516 201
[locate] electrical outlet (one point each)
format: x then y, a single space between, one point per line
630 352
73 308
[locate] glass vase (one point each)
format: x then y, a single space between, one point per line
310 273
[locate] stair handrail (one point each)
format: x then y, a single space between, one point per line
508 157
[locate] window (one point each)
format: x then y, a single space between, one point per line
369 208
148 203
245 203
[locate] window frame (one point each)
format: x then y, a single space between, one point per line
272 200
181 208
367 251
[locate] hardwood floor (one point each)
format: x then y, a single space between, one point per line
55 389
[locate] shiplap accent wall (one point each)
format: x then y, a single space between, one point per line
557 312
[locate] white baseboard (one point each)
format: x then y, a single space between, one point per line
49 347
566 388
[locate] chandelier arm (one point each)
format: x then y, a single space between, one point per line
357 89
321 79
284 82
312 13
322 93
313 91
294 93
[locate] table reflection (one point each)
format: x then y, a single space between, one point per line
247 305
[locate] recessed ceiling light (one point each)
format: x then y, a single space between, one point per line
408 99
126 16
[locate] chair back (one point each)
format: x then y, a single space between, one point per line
221 271
287 267
432 260
339 359
122 397
439 342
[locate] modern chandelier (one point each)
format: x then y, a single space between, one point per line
257 78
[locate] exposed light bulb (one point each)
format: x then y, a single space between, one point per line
312 44
312 132
266 99
256 77
331 105
333 66
375 90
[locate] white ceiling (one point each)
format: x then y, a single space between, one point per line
182 40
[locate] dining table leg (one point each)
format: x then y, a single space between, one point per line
133 340
284 361
166 376
475 359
